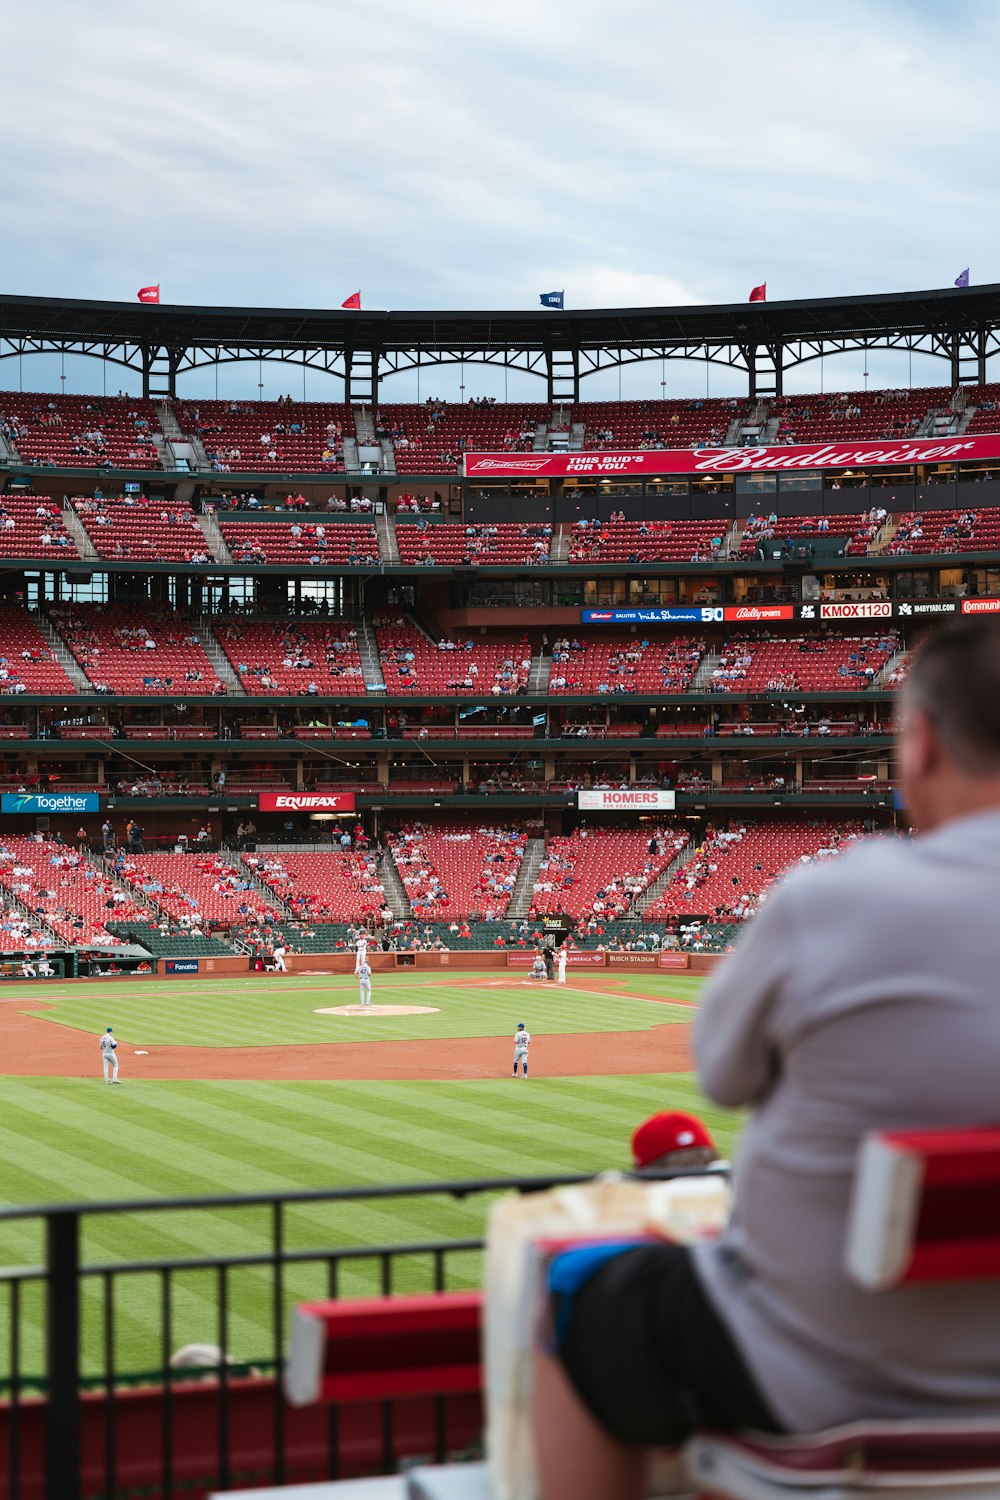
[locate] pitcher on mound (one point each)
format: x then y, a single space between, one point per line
364 974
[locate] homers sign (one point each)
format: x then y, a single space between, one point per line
614 799
733 460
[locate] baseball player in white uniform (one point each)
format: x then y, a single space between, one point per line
561 957
280 966
522 1041
109 1056
362 954
364 974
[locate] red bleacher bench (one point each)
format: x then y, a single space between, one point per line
385 1349
925 1207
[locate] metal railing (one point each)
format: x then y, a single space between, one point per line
64 1285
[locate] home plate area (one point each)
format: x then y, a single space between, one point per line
378 1010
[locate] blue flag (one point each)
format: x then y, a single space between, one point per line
962 279
552 299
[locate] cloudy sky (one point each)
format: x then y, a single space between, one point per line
433 153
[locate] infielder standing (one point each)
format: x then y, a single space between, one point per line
561 957
522 1041
109 1056
364 974
362 954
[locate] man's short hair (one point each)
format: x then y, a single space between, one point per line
954 679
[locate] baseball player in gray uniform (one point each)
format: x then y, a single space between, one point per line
364 972
522 1041
109 1056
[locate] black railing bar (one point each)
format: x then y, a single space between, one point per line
265 1257
456 1189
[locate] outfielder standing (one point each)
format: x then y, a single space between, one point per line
109 1056
561 957
522 1041
364 974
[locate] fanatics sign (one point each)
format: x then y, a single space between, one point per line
802 456
627 800
305 802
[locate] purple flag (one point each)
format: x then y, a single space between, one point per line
962 279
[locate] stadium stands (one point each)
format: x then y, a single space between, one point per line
855 533
602 871
854 414
434 436
334 543
27 663
502 545
947 531
125 650
324 886
735 865
65 891
619 541
269 437
808 664
655 424
81 432
195 888
141 529
412 664
618 667
455 868
298 657
32 526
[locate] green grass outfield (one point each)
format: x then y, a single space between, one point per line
64 1139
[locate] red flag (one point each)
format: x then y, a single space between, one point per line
759 293
149 294
353 302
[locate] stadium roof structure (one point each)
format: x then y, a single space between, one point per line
961 325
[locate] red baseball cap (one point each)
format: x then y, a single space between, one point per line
666 1132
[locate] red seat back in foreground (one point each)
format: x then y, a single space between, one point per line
925 1207
386 1349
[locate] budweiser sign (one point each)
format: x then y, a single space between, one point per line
851 455
867 609
616 800
305 802
759 612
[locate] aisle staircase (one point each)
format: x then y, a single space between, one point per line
396 898
214 540
653 892
220 661
78 532
523 893
371 662
63 655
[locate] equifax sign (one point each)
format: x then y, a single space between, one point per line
305 802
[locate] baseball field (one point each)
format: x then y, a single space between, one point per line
275 1083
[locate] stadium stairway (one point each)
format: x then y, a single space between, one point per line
541 670
661 882
388 546
220 661
702 680
895 660
524 886
214 540
77 531
396 898
371 662
63 655
266 892
559 546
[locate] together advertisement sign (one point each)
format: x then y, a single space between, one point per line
49 802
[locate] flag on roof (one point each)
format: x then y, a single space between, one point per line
552 299
149 293
353 302
962 279
759 293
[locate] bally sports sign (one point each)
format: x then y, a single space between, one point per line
305 802
641 799
803 456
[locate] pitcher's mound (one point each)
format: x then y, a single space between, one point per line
378 1010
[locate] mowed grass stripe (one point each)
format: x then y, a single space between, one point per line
253 1016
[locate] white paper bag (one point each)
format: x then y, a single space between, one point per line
681 1209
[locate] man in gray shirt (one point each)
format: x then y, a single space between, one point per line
862 997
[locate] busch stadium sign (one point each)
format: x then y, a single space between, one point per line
801 456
